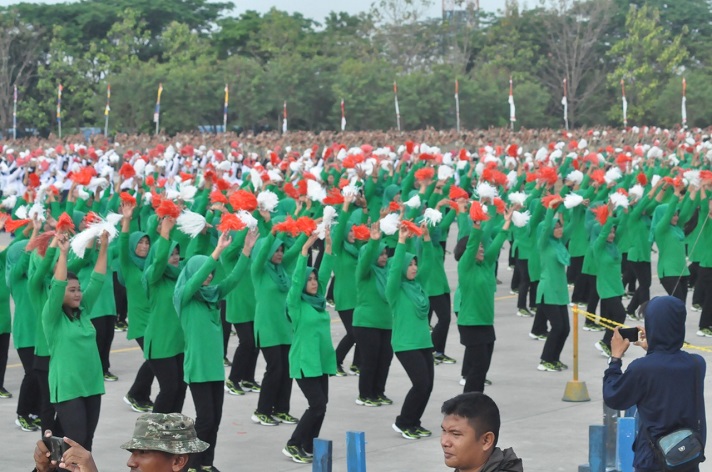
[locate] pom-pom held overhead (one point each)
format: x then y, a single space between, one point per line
167 208
289 226
64 224
426 173
517 198
548 175
456 192
291 191
478 212
361 232
412 227
216 196
642 179
247 218
619 200
520 220
601 214
306 225
13 225
315 191
41 243
267 201
572 200
334 197
432 216
551 201
127 171
191 223
445 172
390 223
499 205
413 202
243 200
127 199
394 206
230 222
485 190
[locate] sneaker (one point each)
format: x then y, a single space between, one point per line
548 367
35 420
499 282
538 337
233 389
4 393
561 366
523 312
696 307
488 382
593 328
532 309
509 267
264 420
632 317
407 433
26 424
285 418
251 386
422 432
705 332
308 454
120 326
354 370
436 361
605 350
463 381
443 359
340 372
330 303
367 402
297 454
135 405
109 377
226 362
384 400
514 292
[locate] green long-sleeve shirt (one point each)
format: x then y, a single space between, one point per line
371 311
553 287
609 283
139 309
38 285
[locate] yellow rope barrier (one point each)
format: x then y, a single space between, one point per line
610 324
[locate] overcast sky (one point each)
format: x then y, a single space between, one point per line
314 9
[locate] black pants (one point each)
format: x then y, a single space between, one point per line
628 274
418 364
574 271
676 287
698 292
440 305
208 399
276 385
225 325
513 257
245 359
79 418
704 281
4 348
28 401
479 357
104 326
582 285
141 388
120 299
330 290
642 293
612 309
539 326
558 317
316 391
171 393
48 416
526 286
376 356
348 341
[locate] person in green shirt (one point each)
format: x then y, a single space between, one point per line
669 237
705 270
312 357
411 332
76 380
5 321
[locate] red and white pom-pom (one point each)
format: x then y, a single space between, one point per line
390 223
485 190
572 200
636 192
191 223
247 218
517 198
692 177
521 219
654 181
94 230
267 201
315 191
413 202
619 200
612 175
445 172
432 216
575 177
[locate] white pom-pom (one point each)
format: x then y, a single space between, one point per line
447 158
81 240
485 190
673 160
349 190
191 223
619 200
541 154
329 216
113 218
582 144
256 179
247 218
275 175
36 211
315 191
654 181
139 167
9 202
520 220
462 164
612 175
83 194
390 223
445 172
172 194
517 198
187 192
512 178
97 182
413 202
479 167
147 197
432 216
575 176
692 177
636 191
21 212
224 166
555 155
267 200
572 200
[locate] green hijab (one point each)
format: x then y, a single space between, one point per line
206 293
170 273
414 290
657 216
13 255
562 254
354 220
318 301
390 193
380 273
140 262
276 271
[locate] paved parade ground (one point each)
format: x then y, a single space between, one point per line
547 433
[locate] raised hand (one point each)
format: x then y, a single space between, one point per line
376 231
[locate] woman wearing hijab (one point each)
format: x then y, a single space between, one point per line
311 357
373 322
5 321
411 332
163 339
133 250
196 302
552 296
273 331
75 372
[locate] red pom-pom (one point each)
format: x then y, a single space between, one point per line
291 191
127 171
308 176
230 222
243 200
34 181
453 205
548 201
623 159
499 205
426 157
592 158
302 185
477 213
168 208
156 200
334 197
412 227
83 177
531 177
64 224
462 155
599 176
41 243
456 192
512 150
274 158
150 181
127 198
409 147
306 225
187 150
185 177
349 162
289 225
548 175
394 206
706 175
601 213
218 197
210 176
361 232
492 175
12 225
426 173
222 184
642 179
343 183
53 189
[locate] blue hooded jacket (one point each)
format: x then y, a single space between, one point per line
661 384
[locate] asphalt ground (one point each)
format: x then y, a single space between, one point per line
548 433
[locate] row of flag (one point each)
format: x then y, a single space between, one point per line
512 108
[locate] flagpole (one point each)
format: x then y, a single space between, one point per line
227 95
684 103
625 105
284 118
343 115
512 109
395 91
457 103
14 113
59 110
107 109
565 102
157 112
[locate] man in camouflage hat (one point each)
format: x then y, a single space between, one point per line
162 442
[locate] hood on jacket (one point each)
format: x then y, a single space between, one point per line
503 461
665 324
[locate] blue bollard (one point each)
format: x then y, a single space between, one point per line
597 448
355 451
323 453
631 412
624 444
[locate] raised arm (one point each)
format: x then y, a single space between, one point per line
242 266
363 267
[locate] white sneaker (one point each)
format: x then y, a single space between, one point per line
462 381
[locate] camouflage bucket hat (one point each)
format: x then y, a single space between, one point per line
168 432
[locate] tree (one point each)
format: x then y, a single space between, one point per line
645 59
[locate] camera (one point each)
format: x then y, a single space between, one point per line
57 447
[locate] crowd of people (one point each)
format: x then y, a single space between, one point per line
181 240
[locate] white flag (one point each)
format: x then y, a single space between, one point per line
684 111
512 110
625 110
